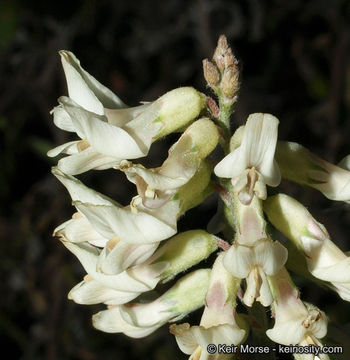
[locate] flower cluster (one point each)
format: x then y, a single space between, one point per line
126 251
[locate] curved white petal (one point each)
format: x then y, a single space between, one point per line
120 117
257 150
239 260
79 191
93 292
134 228
67 148
85 89
145 315
231 165
132 280
259 143
80 230
111 321
265 295
287 333
86 160
270 256
220 334
124 255
105 138
62 119
184 338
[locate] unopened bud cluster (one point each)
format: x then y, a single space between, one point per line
127 251
222 74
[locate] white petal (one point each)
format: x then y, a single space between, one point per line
93 292
134 228
79 191
145 315
85 89
184 337
67 148
252 290
62 119
259 145
239 260
220 334
287 333
345 163
325 260
145 127
181 164
343 290
123 256
86 160
110 321
231 165
104 138
125 281
78 90
339 272
265 295
271 256
120 117
257 150
80 230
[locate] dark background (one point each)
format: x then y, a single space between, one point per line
294 59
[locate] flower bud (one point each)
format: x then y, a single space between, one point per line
189 292
177 108
195 190
236 138
220 52
211 73
183 251
229 83
205 136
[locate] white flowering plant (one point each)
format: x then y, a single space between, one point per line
127 251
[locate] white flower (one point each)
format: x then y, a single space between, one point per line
127 285
109 131
300 165
251 166
218 324
116 255
296 323
118 287
155 186
254 263
324 259
139 320
109 219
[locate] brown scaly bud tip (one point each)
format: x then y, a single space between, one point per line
229 59
229 82
220 53
211 73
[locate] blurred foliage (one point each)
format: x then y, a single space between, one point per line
294 57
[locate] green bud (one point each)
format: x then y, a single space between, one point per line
188 293
205 136
196 189
185 250
236 138
178 108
